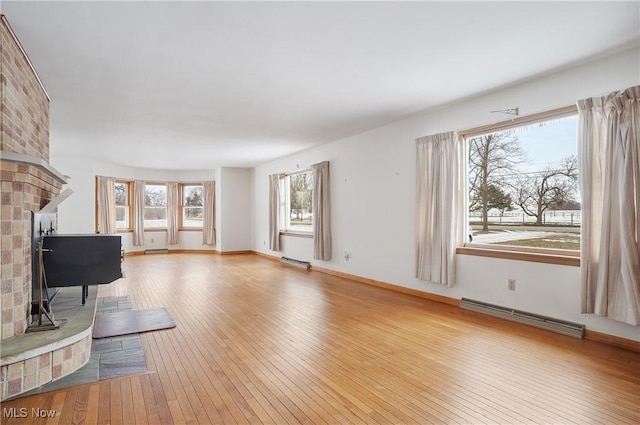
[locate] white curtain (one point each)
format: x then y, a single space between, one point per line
274 212
209 225
106 205
321 211
609 165
138 213
440 206
173 205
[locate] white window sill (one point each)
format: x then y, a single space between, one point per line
296 234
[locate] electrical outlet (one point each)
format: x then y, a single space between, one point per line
512 284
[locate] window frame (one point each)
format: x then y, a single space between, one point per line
129 210
531 254
285 205
155 229
181 208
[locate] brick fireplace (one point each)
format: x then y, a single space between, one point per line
27 183
25 188
27 180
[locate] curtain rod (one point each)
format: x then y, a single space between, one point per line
521 121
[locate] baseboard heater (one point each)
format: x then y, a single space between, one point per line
294 262
156 251
575 330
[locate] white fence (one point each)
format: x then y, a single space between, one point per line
560 217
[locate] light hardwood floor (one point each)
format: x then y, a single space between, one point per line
257 342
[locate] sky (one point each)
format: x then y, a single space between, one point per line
549 143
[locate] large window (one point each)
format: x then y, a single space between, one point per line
523 185
297 202
192 206
123 208
155 206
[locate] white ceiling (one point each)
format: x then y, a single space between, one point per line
197 85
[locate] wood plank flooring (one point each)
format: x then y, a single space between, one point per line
261 343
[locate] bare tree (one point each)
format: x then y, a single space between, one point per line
193 202
193 196
550 189
492 159
155 196
301 189
121 193
155 201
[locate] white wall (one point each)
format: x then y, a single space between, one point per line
219 231
76 214
235 229
373 198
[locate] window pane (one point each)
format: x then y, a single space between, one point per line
300 202
155 217
122 205
122 217
155 196
155 201
523 186
192 196
122 194
192 216
192 206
